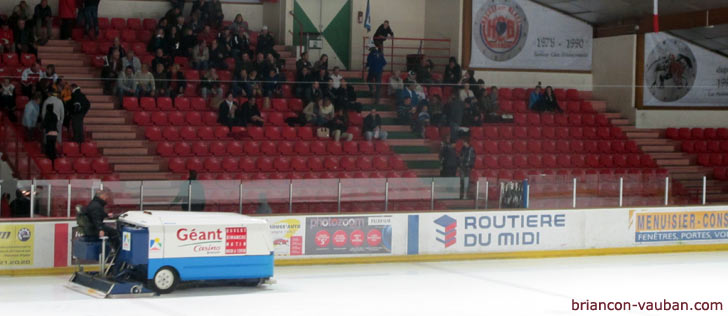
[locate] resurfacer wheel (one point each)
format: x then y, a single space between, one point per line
165 280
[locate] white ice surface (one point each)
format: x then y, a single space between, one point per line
489 287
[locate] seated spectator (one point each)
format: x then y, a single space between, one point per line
206 36
50 74
471 114
266 42
436 110
160 58
239 26
195 23
132 61
317 113
7 43
240 86
315 92
534 97
201 56
209 85
547 102
423 72
465 92
126 85
249 114
30 78
217 55
179 24
254 82
490 100
215 15
396 84
260 64
161 80
271 85
338 126
7 98
302 63
346 98
303 85
197 10
453 73
187 43
372 127
336 77
43 18
322 63
173 39
271 63
423 120
112 68
157 41
405 110
172 16
322 77
409 92
116 46
227 111
145 82
30 116
230 42
178 82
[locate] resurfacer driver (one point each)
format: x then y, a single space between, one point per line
96 215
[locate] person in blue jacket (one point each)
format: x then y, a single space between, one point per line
534 97
375 66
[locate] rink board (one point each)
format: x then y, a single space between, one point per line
43 246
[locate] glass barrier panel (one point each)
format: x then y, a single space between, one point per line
448 192
52 197
410 194
217 195
549 191
126 196
265 196
315 195
362 195
166 195
20 205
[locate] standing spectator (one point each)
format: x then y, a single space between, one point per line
29 78
201 56
50 130
249 114
336 77
79 107
91 16
383 31
302 63
56 106
112 68
7 41
209 85
197 8
534 97
455 117
24 38
239 26
126 85
396 84
372 127
338 126
178 82
30 116
423 121
161 81
179 4
467 162
158 41
453 73
226 112
218 54
132 61
43 18
322 63
375 65
465 92
7 98
266 42
214 13
195 23
448 159
67 12
145 82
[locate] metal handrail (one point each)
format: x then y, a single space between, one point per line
300 31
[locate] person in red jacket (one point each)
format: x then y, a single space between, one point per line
6 39
67 12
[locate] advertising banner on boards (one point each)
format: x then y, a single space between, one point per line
678 73
348 235
16 245
520 34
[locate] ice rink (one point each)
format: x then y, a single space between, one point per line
490 287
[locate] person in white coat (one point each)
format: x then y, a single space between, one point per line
57 109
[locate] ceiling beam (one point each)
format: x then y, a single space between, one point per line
670 22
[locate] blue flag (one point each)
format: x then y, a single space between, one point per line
368 19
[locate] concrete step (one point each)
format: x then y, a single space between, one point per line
76 72
396 128
100 98
419 157
632 128
653 141
427 173
106 113
634 135
686 176
619 122
56 49
699 183
98 136
54 56
600 106
103 105
684 169
93 91
669 155
58 42
128 176
673 162
122 143
136 167
112 128
65 62
105 120
408 142
137 151
133 159
89 84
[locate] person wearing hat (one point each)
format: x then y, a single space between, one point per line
55 105
79 107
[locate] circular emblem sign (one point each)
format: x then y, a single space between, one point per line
670 70
24 234
500 29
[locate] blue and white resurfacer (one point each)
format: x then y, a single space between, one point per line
161 249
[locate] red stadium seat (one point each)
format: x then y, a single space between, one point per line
364 163
222 132
273 133
264 164
256 133
183 149
210 118
286 148
282 164
194 119
71 149
165 149
213 164
195 164
165 104
89 149
153 133
159 118
176 118
148 104
289 133
268 148
142 118
317 164
572 95
134 23
334 148
118 23
177 165
301 148
83 166
131 104
188 133
252 148
200 149
318 148
149 24
170 133
101 165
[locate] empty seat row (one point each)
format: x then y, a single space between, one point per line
713 160
697 133
550 146
68 166
199 104
564 161
325 175
87 149
269 148
287 164
702 146
570 119
15 60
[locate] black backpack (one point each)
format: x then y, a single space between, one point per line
84 222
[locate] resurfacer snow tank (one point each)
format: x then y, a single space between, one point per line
161 249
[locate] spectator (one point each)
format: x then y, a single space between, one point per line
214 13
423 120
472 116
196 201
266 42
30 116
372 127
43 17
303 85
423 71
187 43
65 96
249 114
172 15
396 84
547 102
209 85
239 26
24 38
322 78
132 61
56 106
346 97
405 110
178 82
116 46
112 68
79 107
160 58
230 42
91 16
317 113
20 207
29 78
7 42
467 162
338 126
260 63
455 118
315 92
201 56
7 98
145 82
244 62
25 10
383 31
336 77
453 73
465 92
448 159
197 9
375 65
158 41
271 85
272 63
218 55
173 39
195 23
126 85
322 63
207 35
5 205
409 92
240 86
255 87
490 100
302 63
161 80
67 13
180 4
534 97
437 116
226 112
50 74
